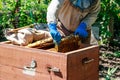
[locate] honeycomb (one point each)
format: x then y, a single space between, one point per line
68 43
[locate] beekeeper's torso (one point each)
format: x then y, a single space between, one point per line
72 12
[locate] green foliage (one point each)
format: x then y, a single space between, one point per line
110 72
29 12
110 9
26 8
34 11
117 54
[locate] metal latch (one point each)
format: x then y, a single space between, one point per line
30 70
53 69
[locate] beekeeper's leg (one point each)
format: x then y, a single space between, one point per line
93 40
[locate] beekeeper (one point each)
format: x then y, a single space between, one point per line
67 17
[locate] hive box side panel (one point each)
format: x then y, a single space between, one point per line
12 73
19 57
83 64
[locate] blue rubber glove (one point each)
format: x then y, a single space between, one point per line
54 33
81 30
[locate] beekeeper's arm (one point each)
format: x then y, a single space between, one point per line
88 21
92 16
52 15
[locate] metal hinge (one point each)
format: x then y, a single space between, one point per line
30 70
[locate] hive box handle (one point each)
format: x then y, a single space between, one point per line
87 60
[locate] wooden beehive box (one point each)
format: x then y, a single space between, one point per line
19 63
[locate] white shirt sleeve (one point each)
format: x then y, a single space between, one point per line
92 16
53 9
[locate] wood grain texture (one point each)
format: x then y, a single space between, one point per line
41 43
13 73
78 70
72 64
19 57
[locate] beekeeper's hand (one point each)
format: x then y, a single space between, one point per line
54 32
81 30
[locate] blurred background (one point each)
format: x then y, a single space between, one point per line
19 13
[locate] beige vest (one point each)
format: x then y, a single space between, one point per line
71 16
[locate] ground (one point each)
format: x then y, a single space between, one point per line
109 61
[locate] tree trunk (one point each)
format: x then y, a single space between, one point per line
15 11
111 27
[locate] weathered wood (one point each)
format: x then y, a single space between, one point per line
19 56
28 26
41 43
12 73
6 42
81 64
